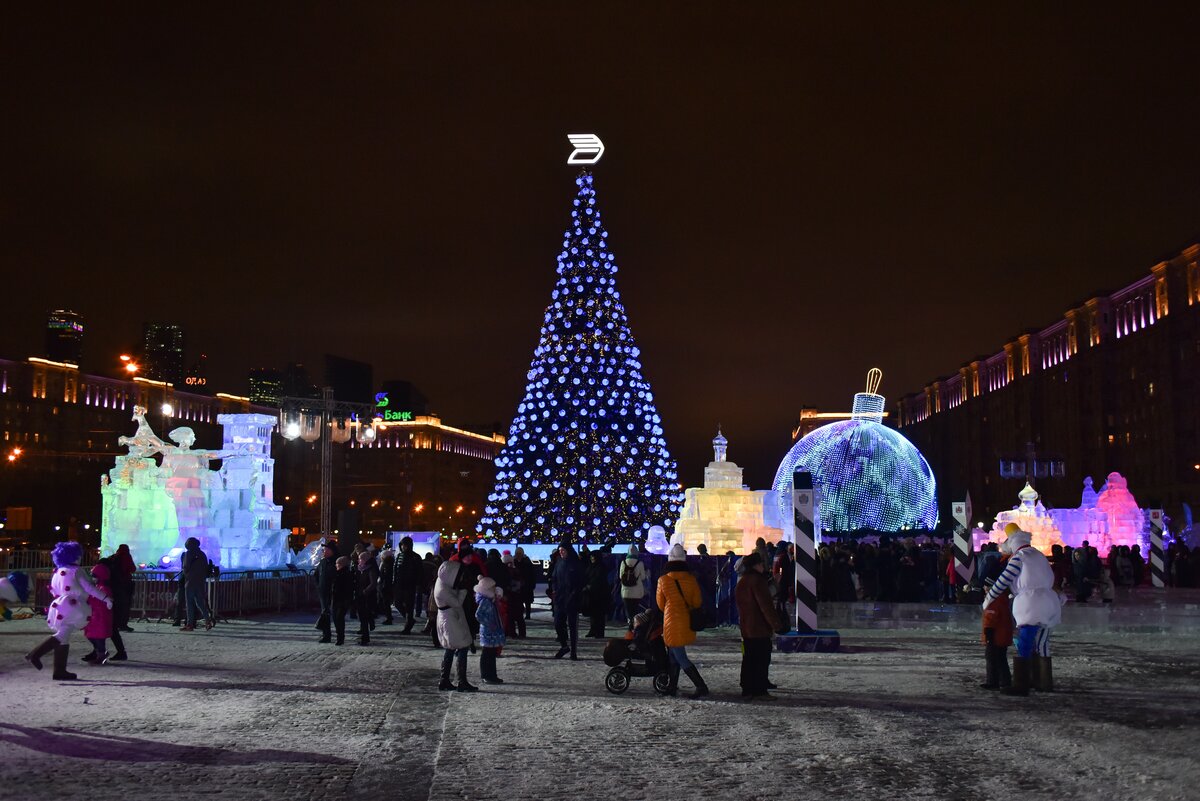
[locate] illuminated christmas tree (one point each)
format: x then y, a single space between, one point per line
585 456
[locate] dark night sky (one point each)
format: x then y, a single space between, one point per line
792 196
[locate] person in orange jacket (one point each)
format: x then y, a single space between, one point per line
678 593
997 634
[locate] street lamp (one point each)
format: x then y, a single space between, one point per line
327 420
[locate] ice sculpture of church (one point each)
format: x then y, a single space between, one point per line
232 512
724 515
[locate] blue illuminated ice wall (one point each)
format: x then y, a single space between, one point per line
868 476
585 456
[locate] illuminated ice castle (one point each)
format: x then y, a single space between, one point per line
1110 517
154 509
724 515
867 476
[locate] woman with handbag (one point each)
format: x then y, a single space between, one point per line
678 596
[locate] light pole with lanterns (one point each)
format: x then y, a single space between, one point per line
328 420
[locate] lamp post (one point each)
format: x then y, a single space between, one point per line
328 411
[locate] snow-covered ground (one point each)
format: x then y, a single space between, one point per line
258 710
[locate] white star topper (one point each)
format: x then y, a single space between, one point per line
588 149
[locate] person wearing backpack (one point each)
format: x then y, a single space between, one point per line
633 583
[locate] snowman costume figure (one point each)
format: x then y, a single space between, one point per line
69 611
1036 610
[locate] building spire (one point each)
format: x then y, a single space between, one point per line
720 445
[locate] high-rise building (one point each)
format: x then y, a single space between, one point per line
64 336
196 379
266 386
401 401
162 352
297 383
351 380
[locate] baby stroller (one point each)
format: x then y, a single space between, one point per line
642 656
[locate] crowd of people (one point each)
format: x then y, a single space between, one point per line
479 599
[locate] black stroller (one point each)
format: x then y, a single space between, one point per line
643 656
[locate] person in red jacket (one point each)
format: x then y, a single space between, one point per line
100 620
997 636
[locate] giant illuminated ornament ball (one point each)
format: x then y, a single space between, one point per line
868 476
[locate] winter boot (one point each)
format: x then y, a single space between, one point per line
119 644
992 682
447 662
34 657
464 686
1020 676
60 663
563 651
1043 676
672 680
1002 671
693 673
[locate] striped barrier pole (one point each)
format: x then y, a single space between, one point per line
1158 562
806 553
964 554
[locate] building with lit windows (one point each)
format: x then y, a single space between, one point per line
162 352
1114 385
64 337
266 385
61 426
418 475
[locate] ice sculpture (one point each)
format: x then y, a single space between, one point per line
231 510
1110 517
868 476
136 508
724 515
656 541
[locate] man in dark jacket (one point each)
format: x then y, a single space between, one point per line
529 577
325 576
408 580
195 576
343 597
758 621
566 585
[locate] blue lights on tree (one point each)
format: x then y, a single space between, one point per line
868 476
585 456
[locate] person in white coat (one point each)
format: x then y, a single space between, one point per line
633 583
453 632
69 611
1036 609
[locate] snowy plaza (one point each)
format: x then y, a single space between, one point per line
256 709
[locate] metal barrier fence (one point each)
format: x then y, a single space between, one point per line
37 560
232 594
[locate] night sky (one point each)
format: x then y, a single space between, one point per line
793 197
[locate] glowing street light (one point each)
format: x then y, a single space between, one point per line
14 454
168 410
